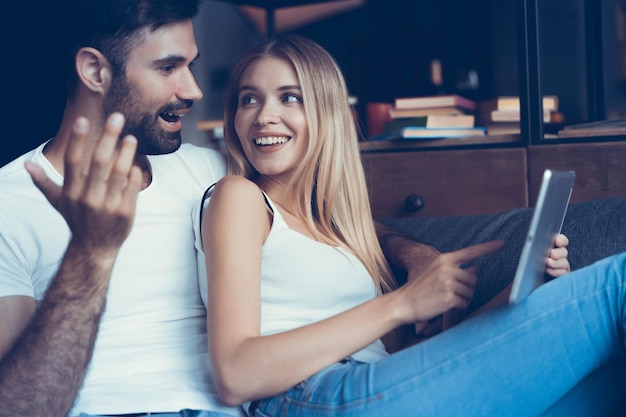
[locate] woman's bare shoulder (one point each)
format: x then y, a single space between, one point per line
235 189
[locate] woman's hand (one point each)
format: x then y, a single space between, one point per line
445 285
558 264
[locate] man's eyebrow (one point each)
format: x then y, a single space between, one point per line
173 58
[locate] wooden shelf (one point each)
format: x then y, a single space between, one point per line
412 144
466 181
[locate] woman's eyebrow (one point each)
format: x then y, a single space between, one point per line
289 87
247 87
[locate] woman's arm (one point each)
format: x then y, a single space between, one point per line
248 366
405 255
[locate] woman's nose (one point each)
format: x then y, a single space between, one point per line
268 114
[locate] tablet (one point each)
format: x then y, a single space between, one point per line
548 216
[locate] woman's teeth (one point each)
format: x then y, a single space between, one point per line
271 140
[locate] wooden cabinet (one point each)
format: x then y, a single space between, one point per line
478 181
600 168
450 182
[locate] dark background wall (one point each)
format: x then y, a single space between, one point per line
33 95
385 49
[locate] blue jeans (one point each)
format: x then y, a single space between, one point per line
182 413
560 352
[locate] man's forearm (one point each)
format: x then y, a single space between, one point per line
43 371
403 253
408 260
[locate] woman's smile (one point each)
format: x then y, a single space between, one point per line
271 140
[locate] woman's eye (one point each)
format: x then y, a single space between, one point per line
248 100
292 98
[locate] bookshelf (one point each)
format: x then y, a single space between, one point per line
529 48
530 67
476 175
528 56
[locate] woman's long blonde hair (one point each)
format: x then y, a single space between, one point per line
330 178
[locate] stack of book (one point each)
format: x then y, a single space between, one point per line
430 117
609 127
501 115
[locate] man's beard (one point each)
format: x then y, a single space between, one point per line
151 138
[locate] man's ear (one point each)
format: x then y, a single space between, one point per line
93 69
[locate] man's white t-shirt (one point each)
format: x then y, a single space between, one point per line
151 349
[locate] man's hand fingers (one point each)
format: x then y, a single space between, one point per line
122 178
106 149
126 156
470 253
104 158
76 161
45 184
129 199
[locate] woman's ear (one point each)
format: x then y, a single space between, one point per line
93 69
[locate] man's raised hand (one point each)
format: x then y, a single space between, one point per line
99 194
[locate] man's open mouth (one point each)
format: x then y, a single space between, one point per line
171 117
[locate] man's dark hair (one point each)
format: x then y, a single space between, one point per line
111 26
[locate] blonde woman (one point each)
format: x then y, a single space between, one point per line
299 293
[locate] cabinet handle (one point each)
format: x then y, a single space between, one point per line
414 203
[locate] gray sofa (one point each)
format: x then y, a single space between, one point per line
596 229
